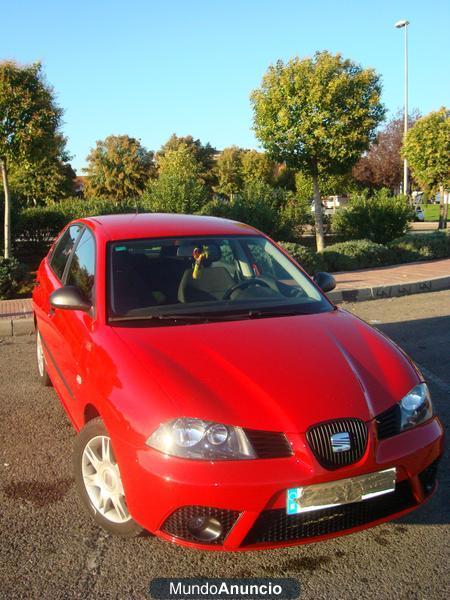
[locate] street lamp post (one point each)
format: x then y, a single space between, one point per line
404 25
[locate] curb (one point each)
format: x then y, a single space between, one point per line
390 291
15 327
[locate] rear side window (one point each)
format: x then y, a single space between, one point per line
82 267
63 249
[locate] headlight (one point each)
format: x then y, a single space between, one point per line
415 407
204 440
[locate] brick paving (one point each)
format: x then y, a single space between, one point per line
349 280
398 274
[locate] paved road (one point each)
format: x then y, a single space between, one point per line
50 549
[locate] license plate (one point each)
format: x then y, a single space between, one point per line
343 491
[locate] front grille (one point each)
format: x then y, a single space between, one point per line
176 524
268 444
428 477
389 422
275 525
319 439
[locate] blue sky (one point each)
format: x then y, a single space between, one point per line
152 68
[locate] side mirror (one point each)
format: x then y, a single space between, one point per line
70 297
325 281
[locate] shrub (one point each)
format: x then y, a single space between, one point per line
272 210
425 246
357 254
255 205
257 214
12 274
306 257
295 215
380 218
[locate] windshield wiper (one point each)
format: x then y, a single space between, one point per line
274 312
163 317
212 317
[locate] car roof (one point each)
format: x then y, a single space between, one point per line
153 225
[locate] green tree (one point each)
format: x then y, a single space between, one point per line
179 187
257 167
29 125
204 154
318 115
427 149
50 178
229 172
118 167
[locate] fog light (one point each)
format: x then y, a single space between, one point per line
205 529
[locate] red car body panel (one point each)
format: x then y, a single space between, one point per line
281 374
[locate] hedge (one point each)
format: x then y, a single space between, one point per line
357 254
39 224
257 206
421 246
365 254
35 228
42 224
311 261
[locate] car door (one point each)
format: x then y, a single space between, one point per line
73 328
50 277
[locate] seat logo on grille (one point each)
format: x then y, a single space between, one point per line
340 442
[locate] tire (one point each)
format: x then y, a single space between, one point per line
41 362
100 487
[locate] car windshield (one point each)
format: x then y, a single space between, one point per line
206 278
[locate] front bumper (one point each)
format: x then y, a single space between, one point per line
248 497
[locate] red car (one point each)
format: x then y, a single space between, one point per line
221 400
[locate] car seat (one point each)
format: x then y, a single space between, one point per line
213 281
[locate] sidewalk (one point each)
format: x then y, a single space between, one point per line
351 286
387 282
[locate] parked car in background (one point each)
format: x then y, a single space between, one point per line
419 214
325 210
334 202
331 203
221 400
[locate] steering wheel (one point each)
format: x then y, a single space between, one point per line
242 285
294 292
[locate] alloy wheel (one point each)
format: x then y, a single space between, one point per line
102 480
40 355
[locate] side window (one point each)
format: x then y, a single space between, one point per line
82 267
63 249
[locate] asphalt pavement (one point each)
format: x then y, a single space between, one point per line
49 548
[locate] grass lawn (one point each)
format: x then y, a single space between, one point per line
431 212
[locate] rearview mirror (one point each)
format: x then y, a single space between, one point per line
69 297
325 281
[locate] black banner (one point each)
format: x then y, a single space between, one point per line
202 588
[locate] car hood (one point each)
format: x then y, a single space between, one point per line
277 373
